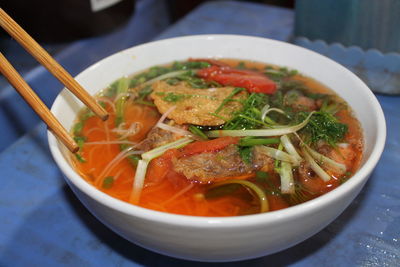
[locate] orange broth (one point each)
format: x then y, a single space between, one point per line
168 191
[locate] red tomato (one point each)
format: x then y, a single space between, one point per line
253 81
208 146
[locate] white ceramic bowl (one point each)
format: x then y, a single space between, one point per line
235 238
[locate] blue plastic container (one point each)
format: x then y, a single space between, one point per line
364 23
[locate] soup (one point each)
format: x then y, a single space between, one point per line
221 137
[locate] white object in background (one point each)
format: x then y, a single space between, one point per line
98 5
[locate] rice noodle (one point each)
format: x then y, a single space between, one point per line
107 132
133 129
174 129
164 116
112 164
165 76
108 101
178 194
138 182
93 130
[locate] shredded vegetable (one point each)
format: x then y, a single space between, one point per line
326 162
289 147
286 174
315 167
278 155
140 174
261 132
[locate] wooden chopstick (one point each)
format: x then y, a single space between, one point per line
33 48
37 105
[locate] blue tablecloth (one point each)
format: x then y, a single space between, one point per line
43 224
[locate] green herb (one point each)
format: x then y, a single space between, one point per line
286 85
108 182
292 96
249 116
331 107
323 126
133 159
120 102
190 77
145 91
252 141
246 153
77 129
280 73
80 140
111 91
229 98
143 94
195 130
173 97
190 65
80 158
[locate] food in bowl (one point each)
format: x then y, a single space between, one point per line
224 137
219 238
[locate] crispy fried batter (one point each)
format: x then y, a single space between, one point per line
221 165
194 106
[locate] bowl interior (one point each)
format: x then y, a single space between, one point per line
309 63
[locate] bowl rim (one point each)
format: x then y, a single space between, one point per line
359 178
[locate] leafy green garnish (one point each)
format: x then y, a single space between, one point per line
249 116
252 141
173 97
229 98
190 65
195 130
133 159
80 158
122 88
246 153
77 129
80 140
278 74
323 126
108 182
192 80
143 94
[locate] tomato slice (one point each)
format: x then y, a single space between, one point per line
208 146
253 81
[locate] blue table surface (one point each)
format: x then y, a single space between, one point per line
43 224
